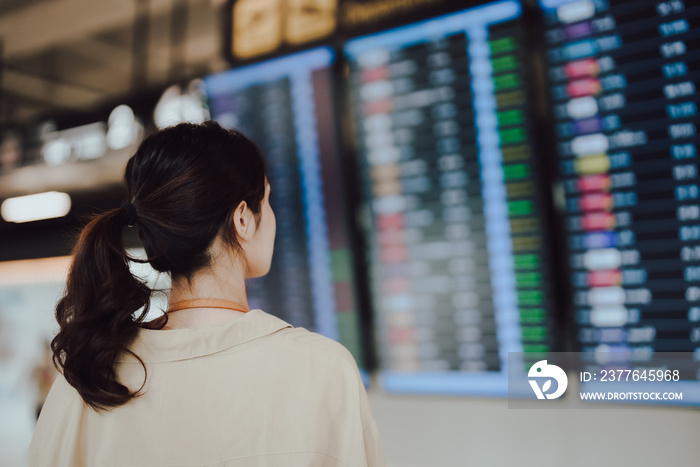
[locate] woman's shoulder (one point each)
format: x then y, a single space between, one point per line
317 344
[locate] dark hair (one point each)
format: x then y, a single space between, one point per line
184 183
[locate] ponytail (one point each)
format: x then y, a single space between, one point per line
96 313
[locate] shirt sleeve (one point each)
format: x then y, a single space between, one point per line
367 448
374 453
367 451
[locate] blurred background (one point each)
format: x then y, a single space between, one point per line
453 182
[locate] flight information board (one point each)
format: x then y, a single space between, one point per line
459 271
623 77
286 107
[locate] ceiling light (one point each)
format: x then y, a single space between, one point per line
35 207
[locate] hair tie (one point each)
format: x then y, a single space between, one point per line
129 212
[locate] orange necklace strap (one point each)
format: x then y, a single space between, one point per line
207 303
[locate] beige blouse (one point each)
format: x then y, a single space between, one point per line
252 392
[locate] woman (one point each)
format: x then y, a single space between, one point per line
210 382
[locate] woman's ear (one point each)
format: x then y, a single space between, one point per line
243 222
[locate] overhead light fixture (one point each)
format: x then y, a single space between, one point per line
178 105
35 207
124 130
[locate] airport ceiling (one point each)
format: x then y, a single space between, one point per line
68 57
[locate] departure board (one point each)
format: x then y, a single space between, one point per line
286 107
623 80
458 267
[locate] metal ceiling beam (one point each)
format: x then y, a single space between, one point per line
97 51
32 101
55 79
58 94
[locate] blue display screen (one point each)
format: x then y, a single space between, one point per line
622 80
458 255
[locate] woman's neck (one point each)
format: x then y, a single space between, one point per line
224 279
